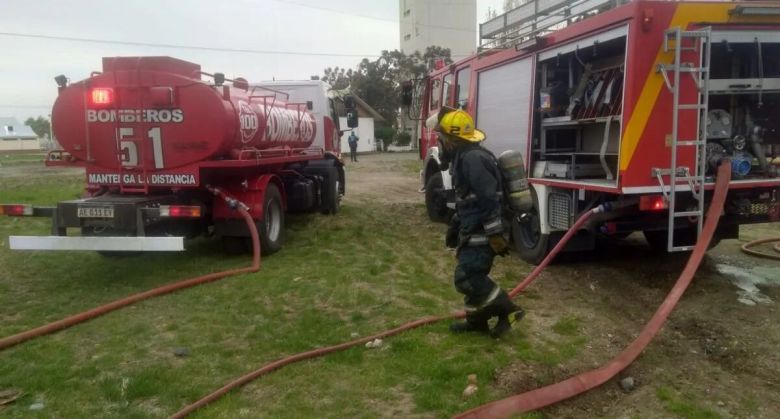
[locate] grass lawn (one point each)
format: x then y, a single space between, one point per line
373 266
21 158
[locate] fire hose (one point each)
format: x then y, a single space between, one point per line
554 393
84 316
315 353
551 394
747 248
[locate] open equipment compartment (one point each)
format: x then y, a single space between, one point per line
578 109
744 100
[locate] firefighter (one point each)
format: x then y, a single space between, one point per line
477 230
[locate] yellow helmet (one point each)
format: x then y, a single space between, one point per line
458 123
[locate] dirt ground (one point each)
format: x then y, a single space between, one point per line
717 356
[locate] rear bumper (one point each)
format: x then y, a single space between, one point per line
91 243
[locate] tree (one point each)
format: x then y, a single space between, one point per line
338 78
378 82
39 125
384 136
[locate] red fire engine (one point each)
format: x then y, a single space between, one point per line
153 136
620 101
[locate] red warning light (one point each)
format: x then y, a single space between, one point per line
180 211
102 96
16 210
652 203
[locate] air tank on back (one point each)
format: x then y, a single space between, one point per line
515 181
157 113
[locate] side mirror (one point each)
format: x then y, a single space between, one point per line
351 111
407 92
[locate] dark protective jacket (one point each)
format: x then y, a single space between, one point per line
478 193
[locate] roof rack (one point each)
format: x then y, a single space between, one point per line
536 18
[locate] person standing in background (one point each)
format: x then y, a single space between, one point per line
353 142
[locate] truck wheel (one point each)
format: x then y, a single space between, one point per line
271 227
436 199
530 243
331 197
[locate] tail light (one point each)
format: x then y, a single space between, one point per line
101 96
180 211
652 203
16 210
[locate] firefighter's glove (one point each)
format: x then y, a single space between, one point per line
451 239
499 244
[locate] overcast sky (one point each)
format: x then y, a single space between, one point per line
316 29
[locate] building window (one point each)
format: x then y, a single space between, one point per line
407 37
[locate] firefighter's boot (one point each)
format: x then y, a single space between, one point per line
476 321
507 312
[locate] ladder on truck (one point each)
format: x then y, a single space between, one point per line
138 139
679 41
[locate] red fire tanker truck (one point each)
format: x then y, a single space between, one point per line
620 101
153 135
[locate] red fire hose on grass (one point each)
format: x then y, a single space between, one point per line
544 396
554 393
315 353
75 319
747 248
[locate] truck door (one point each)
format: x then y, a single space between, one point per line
504 105
428 137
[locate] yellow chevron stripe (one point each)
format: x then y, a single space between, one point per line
685 13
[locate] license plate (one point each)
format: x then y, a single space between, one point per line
95 212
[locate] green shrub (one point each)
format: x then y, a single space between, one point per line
403 138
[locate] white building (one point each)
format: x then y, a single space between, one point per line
16 136
446 23
365 129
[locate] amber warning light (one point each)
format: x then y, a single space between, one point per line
102 96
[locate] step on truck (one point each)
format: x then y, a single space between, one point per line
629 101
156 136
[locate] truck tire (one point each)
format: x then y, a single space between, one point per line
271 227
331 196
531 244
436 199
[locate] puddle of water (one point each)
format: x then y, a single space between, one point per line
748 280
